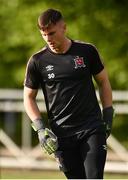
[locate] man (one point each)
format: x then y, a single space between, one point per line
64 69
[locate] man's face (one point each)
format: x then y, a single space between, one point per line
54 35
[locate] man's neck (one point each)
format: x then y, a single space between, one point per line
65 46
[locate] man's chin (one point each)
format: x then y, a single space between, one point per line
52 47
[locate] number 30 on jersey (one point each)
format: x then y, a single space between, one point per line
51 76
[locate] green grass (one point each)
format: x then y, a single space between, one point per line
33 174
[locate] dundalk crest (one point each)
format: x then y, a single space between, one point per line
79 62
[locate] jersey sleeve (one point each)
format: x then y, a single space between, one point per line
32 75
96 64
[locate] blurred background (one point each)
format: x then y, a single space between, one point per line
102 23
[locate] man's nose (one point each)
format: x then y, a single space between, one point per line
49 38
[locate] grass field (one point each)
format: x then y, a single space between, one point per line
32 174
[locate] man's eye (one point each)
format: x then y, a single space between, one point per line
52 33
43 34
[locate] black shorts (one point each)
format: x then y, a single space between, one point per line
83 156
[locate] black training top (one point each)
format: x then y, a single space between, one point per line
66 81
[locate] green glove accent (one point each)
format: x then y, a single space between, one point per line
48 140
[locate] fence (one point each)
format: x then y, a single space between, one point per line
27 156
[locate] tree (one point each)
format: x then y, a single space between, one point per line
103 23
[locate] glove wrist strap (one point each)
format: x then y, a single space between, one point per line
37 124
108 114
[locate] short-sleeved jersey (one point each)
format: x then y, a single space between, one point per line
66 81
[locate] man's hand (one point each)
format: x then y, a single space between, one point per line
48 140
108 114
108 128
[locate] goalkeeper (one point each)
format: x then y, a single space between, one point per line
64 69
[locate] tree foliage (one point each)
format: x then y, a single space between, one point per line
103 23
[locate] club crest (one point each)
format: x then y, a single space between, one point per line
79 62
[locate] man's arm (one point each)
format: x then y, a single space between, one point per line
30 103
47 138
105 90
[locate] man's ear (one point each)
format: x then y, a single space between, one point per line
64 27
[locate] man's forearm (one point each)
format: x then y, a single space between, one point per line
47 138
108 111
32 109
105 93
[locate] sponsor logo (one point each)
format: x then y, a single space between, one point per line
79 62
105 147
49 67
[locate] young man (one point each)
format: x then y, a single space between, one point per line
64 69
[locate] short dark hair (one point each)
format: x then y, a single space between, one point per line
50 16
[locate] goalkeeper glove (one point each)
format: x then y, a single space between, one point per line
108 114
47 139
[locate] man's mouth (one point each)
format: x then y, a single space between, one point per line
51 44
